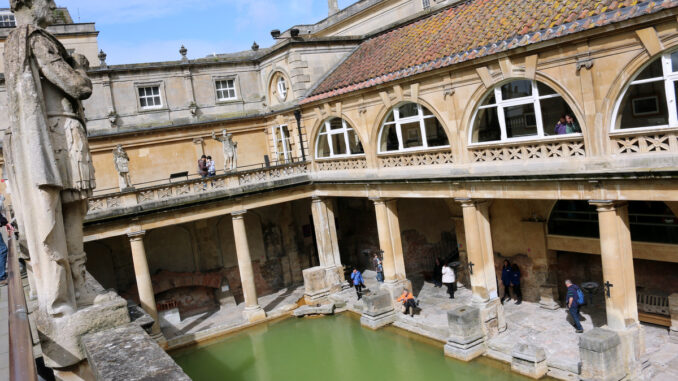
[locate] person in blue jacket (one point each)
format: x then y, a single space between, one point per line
572 302
515 283
358 283
506 279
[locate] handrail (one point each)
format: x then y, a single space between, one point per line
21 360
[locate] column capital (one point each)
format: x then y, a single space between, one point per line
239 214
607 205
381 200
136 236
317 199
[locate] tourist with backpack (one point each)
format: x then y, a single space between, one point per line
358 282
574 299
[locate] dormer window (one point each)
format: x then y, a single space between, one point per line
282 88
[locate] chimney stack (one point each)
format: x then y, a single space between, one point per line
333 7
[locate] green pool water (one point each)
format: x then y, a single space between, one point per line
329 349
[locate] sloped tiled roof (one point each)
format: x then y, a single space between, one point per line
470 30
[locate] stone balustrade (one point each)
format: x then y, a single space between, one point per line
344 164
644 141
194 187
551 148
413 159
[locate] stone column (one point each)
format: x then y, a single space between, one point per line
619 280
617 260
481 270
327 242
253 312
143 278
388 228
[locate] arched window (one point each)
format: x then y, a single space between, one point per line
522 109
282 88
649 100
649 221
337 138
411 126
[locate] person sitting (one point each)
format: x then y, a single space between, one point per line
561 126
408 302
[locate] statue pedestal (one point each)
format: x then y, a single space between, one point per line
60 336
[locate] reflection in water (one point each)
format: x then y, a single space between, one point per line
331 348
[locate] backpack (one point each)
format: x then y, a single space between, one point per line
580 297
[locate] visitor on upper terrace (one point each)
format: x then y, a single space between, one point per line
202 166
358 282
567 125
211 169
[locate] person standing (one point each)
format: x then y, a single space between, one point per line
449 279
211 169
572 301
380 272
408 302
506 280
358 282
3 251
438 273
515 283
202 166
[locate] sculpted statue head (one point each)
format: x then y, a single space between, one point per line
33 12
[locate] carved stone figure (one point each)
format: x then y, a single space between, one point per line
121 161
230 150
48 157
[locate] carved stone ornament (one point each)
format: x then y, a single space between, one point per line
230 149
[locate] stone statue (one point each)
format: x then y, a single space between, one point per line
230 150
48 156
121 161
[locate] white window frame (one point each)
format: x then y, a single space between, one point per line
145 86
669 77
398 122
280 136
225 90
326 133
7 17
500 104
281 87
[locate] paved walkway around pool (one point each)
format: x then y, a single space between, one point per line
526 323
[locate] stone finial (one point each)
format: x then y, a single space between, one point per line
255 46
183 52
102 58
332 7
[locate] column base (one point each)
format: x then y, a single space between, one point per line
632 349
673 334
254 314
378 310
159 338
492 316
465 349
529 360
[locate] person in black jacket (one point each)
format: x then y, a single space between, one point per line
515 283
3 250
438 273
506 279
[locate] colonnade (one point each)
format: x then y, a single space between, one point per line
615 241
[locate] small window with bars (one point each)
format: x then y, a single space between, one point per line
7 20
149 97
225 89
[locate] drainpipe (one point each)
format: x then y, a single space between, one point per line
297 116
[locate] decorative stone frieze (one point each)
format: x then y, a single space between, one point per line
405 159
530 151
342 164
644 142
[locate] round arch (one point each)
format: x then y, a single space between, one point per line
349 129
384 111
482 92
272 76
619 85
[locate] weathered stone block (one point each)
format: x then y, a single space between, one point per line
325 309
128 353
529 360
467 339
60 337
377 310
335 278
254 314
315 284
548 296
600 355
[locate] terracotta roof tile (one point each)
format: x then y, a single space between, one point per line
471 30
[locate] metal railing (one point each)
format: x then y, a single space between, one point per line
21 361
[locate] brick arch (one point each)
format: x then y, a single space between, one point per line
169 280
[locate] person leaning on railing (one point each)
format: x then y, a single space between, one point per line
3 250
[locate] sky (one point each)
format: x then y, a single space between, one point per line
132 31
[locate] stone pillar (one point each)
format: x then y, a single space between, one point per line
617 260
253 312
481 268
466 339
327 242
378 310
144 284
619 285
393 262
600 353
673 310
